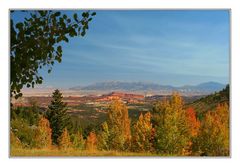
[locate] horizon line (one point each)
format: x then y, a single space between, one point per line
146 82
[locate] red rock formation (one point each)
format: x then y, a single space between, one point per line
120 95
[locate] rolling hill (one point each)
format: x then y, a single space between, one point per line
210 102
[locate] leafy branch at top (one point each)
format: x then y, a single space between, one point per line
36 42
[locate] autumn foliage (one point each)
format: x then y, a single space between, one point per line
213 139
14 141
43 134
119 126
193 122
91 143
170 129
64 140
193 130
143 134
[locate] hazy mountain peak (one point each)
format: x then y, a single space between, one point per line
206 87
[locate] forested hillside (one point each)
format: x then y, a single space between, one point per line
210 102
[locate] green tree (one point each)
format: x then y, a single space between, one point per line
103 137
57 116
78 141
24 123
24 132
29 114
172 132
14 141
43 136
64 140
36 42
142 138
119 126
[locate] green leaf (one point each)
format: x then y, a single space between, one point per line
65 39
61 20
39 81
84 14
79 29
57 14
33 84
83 33
59 49
59 39
75 17
19 26
64 16
94 13
42 13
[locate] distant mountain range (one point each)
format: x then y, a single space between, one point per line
207 87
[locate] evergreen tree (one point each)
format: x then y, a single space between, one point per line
43 136
64 140
57 116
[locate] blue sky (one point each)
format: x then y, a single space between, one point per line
166 47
